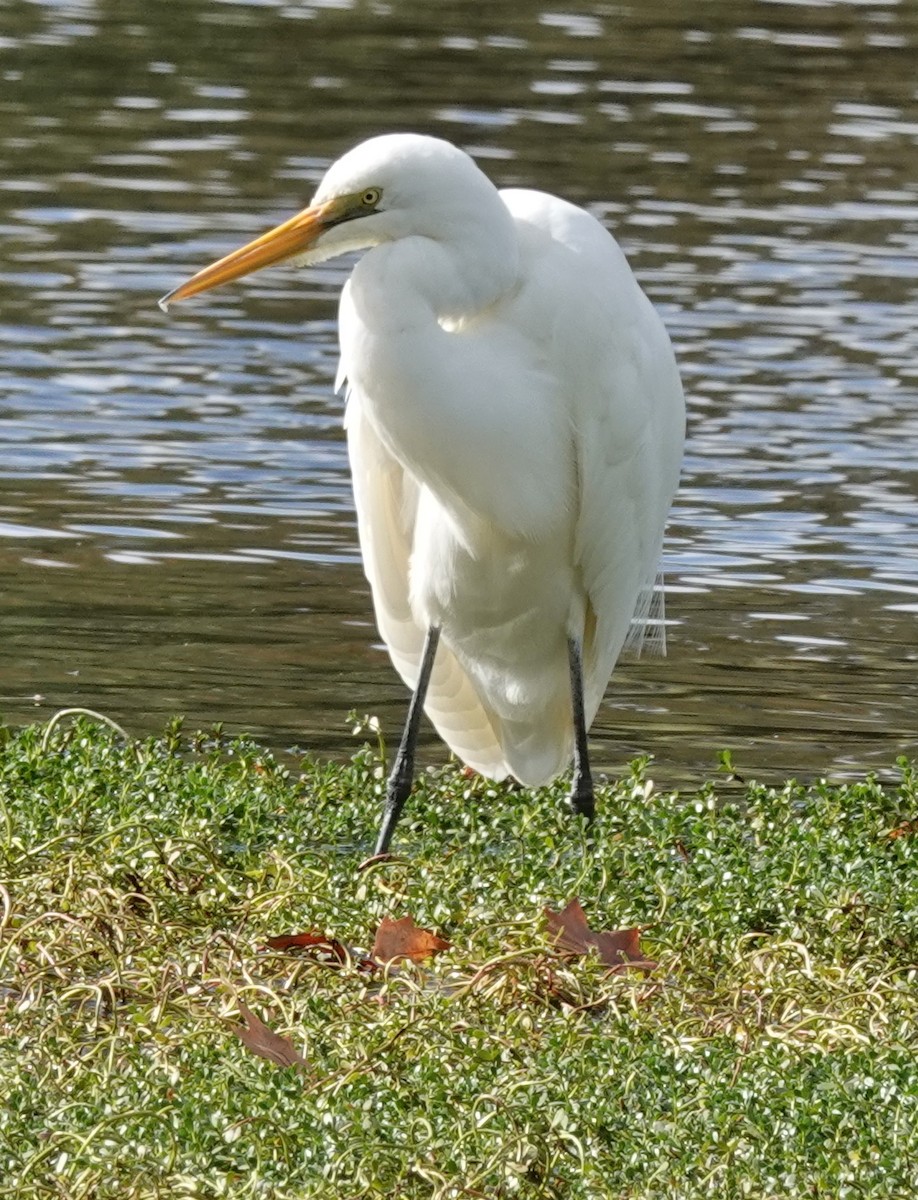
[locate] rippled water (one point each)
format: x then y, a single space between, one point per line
176 528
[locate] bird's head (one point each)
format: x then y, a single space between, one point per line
386 188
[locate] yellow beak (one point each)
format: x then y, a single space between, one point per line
292 237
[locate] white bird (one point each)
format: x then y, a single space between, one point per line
515 424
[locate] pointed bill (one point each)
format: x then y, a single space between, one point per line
277 245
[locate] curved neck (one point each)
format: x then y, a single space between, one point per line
452 278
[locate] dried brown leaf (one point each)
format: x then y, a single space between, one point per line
376 860
569 929
619 949
404 939
328 947
256 1036
906 829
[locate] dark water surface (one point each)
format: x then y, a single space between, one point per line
176 527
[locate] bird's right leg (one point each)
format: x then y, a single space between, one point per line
581 793
398 787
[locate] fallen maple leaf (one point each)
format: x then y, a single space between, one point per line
404 939
906 829
376 859
257 1037
317 941
619 949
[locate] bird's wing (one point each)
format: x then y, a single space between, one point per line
618 370
628 467
386 499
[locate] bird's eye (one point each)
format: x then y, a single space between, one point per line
371 197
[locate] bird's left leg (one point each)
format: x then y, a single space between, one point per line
581 793
398 786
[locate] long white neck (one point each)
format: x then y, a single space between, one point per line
471 261
441 389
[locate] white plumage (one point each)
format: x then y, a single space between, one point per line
515 424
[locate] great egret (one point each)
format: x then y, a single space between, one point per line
515 423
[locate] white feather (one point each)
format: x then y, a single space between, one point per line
515 425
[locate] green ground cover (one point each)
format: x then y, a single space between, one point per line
773 1052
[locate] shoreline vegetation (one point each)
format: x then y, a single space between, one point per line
758 1038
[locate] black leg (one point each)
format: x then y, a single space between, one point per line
581 794
399 783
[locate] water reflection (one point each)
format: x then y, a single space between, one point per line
175 516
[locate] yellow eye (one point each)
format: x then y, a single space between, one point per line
371 197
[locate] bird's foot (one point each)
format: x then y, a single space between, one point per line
581 798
